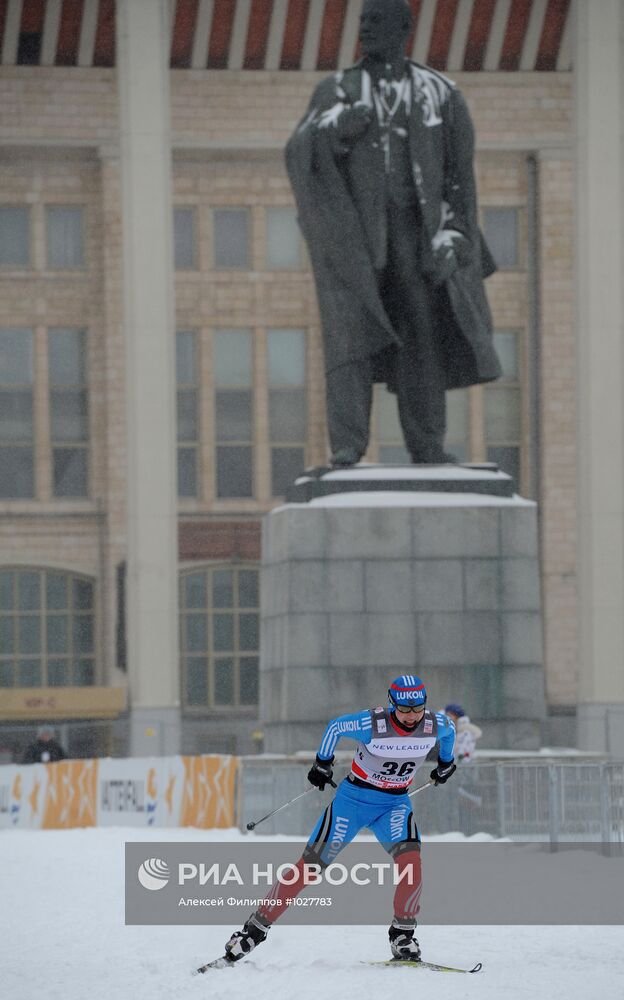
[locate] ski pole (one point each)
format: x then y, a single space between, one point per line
250 826
420 788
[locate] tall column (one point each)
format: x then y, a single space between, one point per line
599 71
152 603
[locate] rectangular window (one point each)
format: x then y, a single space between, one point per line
65 236
219 636
184 239
501 231
231 231
392 449
233 382
187 412
283 239
46 629
17 480
69 412
14 236
456 440
506 345
503 408
287 406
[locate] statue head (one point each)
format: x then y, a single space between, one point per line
384 28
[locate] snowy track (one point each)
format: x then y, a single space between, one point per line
62 937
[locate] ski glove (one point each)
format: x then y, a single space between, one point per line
321 773
443 771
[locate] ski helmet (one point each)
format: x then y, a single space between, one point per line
407 691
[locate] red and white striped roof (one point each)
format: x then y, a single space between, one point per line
452 35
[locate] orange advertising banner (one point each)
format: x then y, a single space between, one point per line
153 791
208 798
71 795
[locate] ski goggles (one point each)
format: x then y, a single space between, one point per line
407 706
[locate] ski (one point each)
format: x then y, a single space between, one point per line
425 965
218 963
225 963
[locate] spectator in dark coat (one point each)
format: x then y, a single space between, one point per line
46 749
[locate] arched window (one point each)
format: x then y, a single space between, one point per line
219 636
46 628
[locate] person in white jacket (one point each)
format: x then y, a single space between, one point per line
466 733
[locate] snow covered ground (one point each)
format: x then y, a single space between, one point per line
62 937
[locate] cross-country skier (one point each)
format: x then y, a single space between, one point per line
393 743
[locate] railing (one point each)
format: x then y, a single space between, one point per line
556 801
535 801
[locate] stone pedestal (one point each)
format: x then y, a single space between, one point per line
360 587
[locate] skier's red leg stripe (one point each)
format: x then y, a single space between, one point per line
282 895
407 892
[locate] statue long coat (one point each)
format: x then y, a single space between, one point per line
340 198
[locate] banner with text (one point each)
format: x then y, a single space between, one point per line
142 792
463 883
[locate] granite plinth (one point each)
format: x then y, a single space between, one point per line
361 586
485 479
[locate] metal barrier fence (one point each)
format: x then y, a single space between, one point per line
535 801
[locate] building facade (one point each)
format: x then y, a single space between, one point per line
243 352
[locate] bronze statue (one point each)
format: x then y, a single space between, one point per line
381 167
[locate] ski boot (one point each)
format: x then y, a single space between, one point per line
403 944
242 942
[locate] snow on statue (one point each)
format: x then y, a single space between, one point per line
381 167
